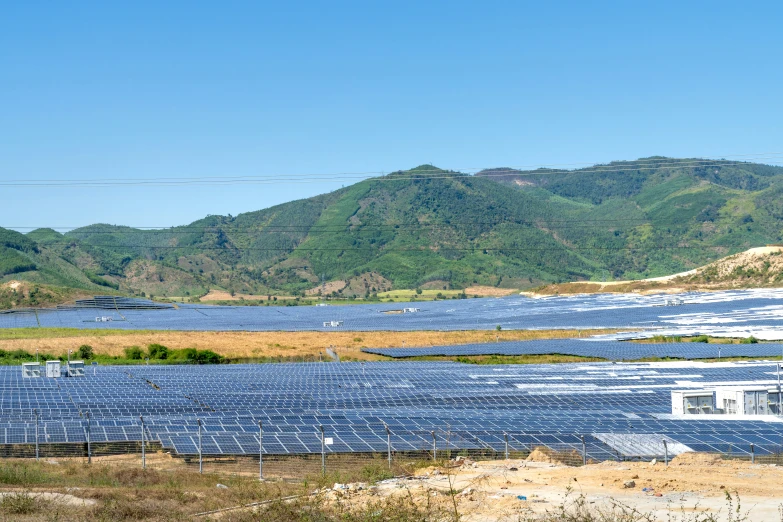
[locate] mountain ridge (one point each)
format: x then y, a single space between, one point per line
431 227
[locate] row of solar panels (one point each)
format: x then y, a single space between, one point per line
744 309
610 350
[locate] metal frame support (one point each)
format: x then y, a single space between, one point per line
89 445
200 454
260 451
37 453
780 399
505 438
388 445
434 446
323 451
584 451
143 450
752 453
665 453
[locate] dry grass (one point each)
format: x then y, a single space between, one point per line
268 344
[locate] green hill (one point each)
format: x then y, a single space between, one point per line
431 228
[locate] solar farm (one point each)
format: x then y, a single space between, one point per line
617 410
732 314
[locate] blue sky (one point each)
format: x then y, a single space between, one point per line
99 90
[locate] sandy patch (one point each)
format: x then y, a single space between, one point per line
489 291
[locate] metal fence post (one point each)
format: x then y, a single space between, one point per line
323 451
388 445
143 450
505 438
89 441
752 453
584 451
665 453
200 455
434 447
260 451
37 454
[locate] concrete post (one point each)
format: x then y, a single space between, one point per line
434 447
665 453
505 438
584 451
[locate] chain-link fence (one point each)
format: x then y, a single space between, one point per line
360 453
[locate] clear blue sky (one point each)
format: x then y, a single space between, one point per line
187 89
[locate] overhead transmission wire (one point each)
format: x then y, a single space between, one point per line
413 174
260 229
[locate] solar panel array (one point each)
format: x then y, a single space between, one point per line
467 406
610 350
740 313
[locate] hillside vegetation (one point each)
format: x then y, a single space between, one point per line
430 229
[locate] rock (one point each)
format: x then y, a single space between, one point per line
653 462
222 486
635 477
629 484
337 486
513 469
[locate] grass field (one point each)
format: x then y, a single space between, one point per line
248 345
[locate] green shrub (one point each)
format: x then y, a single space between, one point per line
700 339
158 351
749 340
85 352
134 353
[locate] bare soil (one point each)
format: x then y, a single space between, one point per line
692 483
757 267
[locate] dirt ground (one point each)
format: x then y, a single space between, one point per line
277 344
722 270
692 483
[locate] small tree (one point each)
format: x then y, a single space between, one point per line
84 352
134 353
158 351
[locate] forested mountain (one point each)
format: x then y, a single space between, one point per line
431 228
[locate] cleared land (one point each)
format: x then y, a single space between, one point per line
259 344
694 487
755 268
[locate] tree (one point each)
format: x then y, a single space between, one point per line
84 352
134 353
158 351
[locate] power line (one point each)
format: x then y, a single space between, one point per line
381 250
398 175
348 227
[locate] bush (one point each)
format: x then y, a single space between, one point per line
749 340
134 353
700 339
158 351
208 357
85 352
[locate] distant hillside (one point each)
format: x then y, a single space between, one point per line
433 229
760 267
